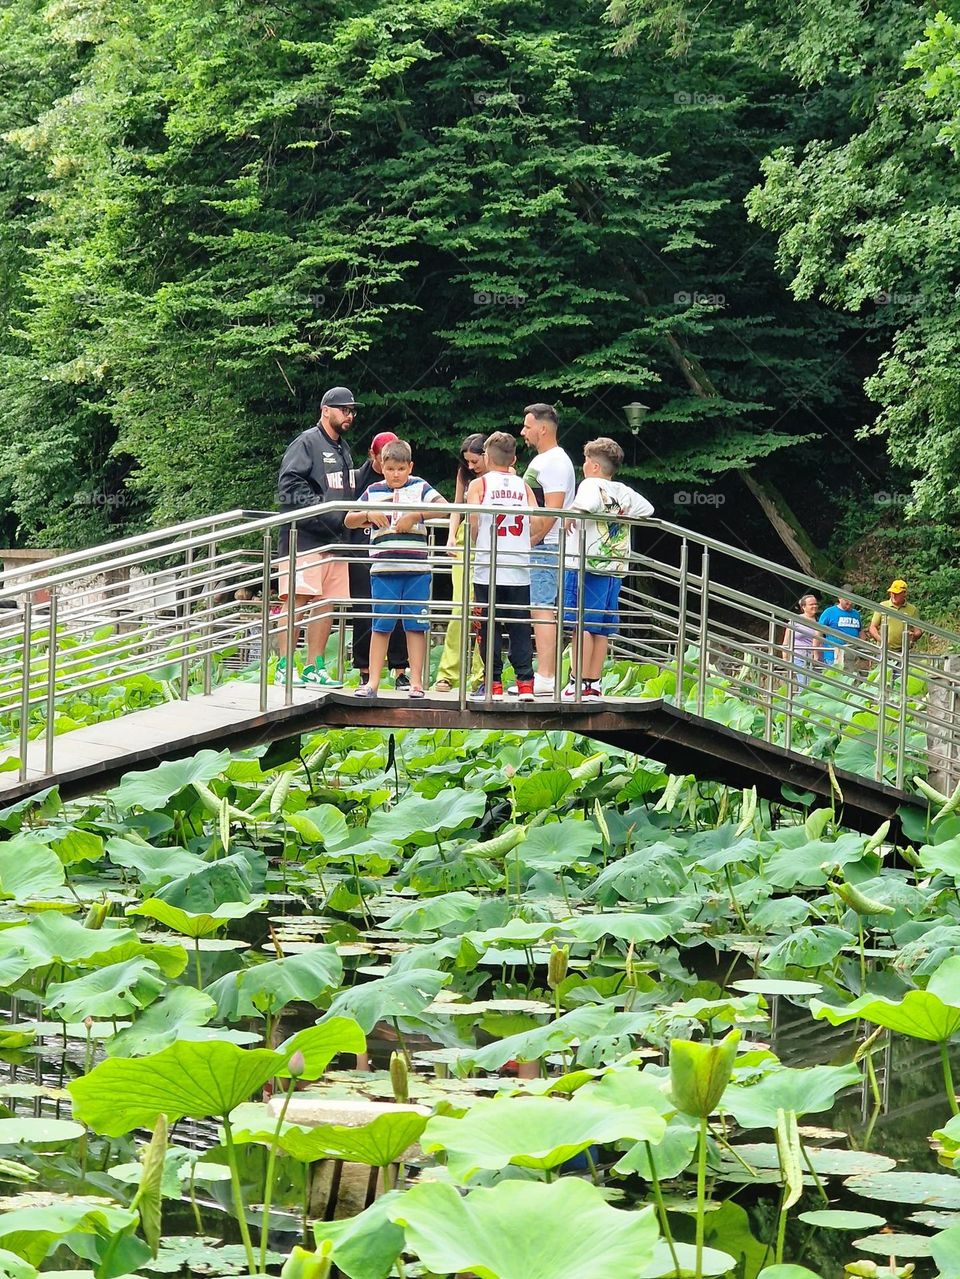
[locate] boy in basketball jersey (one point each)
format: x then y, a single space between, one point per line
500 489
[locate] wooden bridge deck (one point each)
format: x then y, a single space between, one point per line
94 757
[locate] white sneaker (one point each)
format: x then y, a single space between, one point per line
544 686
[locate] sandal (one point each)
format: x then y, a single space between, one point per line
416 692
365 690
443 686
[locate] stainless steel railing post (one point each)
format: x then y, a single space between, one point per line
491 618
791 670
704 615
186 606
265 620
210 627
561 578
466 616
25 686
770 682
576 647
882 709
682 620
904 690
291 619
51 685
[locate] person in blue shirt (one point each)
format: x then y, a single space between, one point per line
844 619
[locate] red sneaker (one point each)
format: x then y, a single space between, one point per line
525 690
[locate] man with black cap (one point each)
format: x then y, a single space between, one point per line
317 467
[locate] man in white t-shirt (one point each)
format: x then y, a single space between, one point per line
552 479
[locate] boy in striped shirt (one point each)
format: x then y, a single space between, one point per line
399 565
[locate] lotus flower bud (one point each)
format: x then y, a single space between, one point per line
557 968
307 1265
296 1065
88 1022
96 915
399 1078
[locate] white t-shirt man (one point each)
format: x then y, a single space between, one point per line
552 472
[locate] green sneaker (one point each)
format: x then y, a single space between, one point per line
317 677
280 674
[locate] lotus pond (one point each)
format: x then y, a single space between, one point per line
473 1004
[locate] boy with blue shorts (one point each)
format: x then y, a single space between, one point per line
606 559
399 565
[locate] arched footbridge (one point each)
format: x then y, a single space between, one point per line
700 677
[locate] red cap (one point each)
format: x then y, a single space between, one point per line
384 437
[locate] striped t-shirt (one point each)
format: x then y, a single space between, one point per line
393 552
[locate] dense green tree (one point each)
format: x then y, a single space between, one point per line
456 207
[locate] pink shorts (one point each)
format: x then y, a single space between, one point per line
319 576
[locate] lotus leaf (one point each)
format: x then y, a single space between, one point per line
788 1272
155 866
931 1189
154 787
416 820
163 1022
896 1244
228 879
418 917
38 1132
490 1233
806 1091
556 1036
267 988
14 1267
186 1080
712 1261
381 1142
29 870
365 1246
324 825
200 1255
945 1250
108 992
841 1219
625 927
921 1014
200 924
535 1132
670 1157
396 995
805 865
558 845
321 1043
32 1233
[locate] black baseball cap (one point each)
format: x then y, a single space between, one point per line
338 397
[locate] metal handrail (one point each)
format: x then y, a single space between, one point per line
716 638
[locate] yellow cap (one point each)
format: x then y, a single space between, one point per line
896 587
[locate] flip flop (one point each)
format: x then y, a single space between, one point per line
416 692
365 690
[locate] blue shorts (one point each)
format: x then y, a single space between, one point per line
404 596
601 602
543 577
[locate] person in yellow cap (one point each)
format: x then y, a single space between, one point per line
894 627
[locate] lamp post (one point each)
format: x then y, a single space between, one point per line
635 413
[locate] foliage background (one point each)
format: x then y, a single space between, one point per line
744 217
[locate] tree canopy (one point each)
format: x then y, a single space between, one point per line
213 211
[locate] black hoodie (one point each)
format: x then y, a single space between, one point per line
315 468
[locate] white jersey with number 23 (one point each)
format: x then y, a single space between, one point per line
512 530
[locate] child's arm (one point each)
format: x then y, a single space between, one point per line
455 516
410 519
370 518
475 498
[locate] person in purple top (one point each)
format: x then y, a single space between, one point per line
802 640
